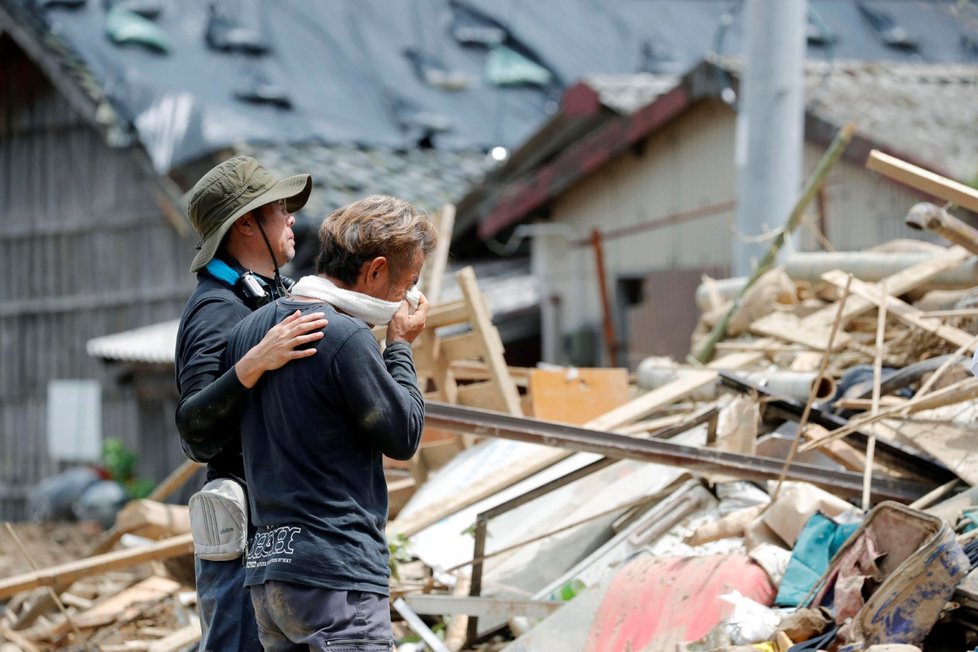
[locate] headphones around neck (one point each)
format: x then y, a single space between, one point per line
253 289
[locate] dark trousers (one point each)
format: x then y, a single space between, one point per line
294 617
227 619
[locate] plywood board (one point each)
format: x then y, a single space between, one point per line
577 395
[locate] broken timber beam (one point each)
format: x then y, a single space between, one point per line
692 458
65 574
923 180
904 311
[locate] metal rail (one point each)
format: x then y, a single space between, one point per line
700 460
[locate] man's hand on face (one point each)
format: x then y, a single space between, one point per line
406 326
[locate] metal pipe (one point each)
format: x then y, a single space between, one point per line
797 385
610 337
874 266
698 460
934 218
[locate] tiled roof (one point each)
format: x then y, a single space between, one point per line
403 74
929 111
924 109
628 93
426 177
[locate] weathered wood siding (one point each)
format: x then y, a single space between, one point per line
84 251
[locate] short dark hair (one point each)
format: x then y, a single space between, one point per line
378 225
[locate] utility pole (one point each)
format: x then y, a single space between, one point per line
770 124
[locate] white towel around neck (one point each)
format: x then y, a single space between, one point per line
356 304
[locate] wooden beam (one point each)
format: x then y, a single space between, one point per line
171 483
482 324
178 640
923 180
460 347
434 269
65 574
792 329
125 605
870 292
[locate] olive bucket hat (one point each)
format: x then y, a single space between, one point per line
230 190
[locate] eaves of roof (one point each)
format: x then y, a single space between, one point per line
67 72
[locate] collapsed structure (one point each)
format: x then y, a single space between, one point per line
808 485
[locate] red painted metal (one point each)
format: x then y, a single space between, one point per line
654 603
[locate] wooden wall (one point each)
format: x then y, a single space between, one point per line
84 251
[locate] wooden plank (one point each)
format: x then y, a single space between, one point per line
21 641
65 574
904 311
127 604
790 328
651 401
863 404
183 637
482 324
896 284
577 396
923 180
963 390
458 347
483 395
477 370
147 518
434 269
175 480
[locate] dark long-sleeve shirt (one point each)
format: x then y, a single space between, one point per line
313 434
208 414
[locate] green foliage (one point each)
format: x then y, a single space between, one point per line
120 463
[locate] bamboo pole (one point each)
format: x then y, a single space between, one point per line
823 365
877 373
815 181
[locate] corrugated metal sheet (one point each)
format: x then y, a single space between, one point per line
150 344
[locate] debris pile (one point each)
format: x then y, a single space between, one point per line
808 485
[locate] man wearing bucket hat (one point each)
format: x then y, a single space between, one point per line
243 216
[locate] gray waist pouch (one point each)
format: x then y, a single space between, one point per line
219 520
